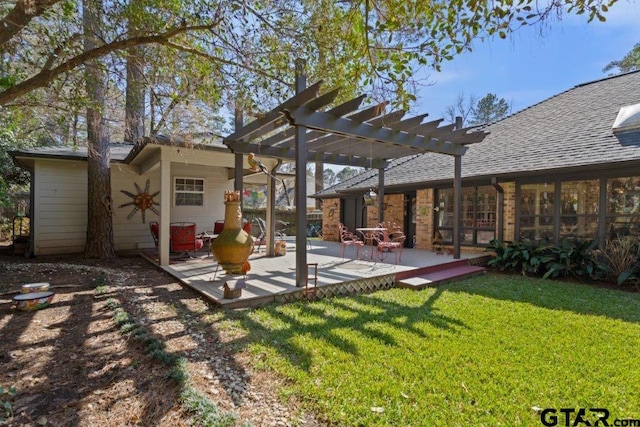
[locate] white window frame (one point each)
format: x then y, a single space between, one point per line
176 191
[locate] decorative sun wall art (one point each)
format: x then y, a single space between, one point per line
141 201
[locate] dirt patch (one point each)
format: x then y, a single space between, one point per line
71 365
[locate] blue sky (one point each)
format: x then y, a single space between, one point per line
529 67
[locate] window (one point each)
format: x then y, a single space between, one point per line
623 207
579 209
556 210
189 192
478 213
536 211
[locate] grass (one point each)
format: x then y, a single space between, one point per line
484 351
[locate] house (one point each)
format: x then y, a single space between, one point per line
186 178
568 166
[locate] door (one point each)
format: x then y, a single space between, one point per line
410 219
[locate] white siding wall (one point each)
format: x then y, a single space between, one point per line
60 211
131 234
216 181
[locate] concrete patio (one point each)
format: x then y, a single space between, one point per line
272 279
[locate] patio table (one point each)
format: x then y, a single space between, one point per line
207 237
368 233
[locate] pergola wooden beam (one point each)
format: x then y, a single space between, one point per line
301 116
274 118
312 156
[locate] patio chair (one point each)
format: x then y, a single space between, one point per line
311 283
260 239
155 231
436 243
393 242
183 238
347 238
218 226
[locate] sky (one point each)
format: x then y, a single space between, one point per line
529 67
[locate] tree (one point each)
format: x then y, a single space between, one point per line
99 243
226 50
373 42
461 108
489 109
329 177
630 62
347 173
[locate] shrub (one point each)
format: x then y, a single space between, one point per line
525 257
622 256
569 259
575 258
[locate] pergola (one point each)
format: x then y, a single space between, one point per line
347 135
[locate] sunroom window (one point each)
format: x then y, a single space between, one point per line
478 215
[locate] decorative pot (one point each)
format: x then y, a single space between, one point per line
33 300
233 246
35 287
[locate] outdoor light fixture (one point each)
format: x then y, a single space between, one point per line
370 198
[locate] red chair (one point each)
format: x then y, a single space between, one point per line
183 238
155 231
347 238
218 227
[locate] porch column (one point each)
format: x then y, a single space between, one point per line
301 184
165 209
270 217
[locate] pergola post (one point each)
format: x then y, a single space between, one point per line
301 183
457 199
380 195
457 206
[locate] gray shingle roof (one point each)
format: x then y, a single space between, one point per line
119 152
571 129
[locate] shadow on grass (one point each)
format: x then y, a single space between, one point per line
554 295
368 316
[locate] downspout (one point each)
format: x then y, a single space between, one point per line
500 212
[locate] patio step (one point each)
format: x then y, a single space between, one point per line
434 275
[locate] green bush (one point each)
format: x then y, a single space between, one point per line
526 257
623 259
574 258
571 258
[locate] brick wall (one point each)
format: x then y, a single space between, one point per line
424 216
331 220
393 213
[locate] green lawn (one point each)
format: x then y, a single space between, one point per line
484 351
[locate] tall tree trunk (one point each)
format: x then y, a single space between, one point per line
134 108
99 222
